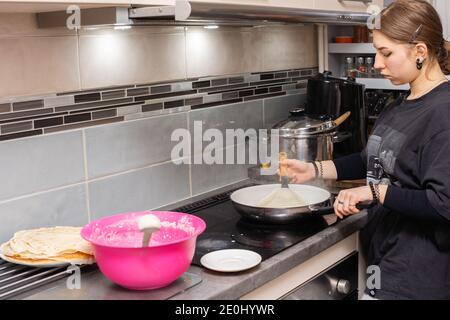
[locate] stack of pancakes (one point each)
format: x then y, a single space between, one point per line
47 246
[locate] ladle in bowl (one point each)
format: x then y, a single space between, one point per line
148 224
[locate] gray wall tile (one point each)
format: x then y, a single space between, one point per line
104 114
138 91
40 163
18 135
135 59
212 98
113 94
277 109
122 111
131 145
64 207
161 89
15 127
244 116
59 101
207 177
193 101
152 107
182 86
143 189
32 65
23 114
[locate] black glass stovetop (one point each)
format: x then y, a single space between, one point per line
226 229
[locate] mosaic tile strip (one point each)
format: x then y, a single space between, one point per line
23 117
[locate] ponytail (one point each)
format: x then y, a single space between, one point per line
443 56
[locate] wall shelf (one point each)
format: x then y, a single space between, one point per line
351 48
380 83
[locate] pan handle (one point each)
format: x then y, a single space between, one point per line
365 205
323 211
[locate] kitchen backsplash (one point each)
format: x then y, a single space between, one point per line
73 176
86 117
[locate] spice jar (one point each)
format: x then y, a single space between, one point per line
360 34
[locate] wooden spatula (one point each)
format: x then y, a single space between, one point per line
283 170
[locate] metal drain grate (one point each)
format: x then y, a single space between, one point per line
17 279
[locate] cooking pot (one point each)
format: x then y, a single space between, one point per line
318 202
117 245
308 139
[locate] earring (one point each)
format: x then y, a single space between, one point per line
419 63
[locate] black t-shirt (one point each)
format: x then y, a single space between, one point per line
409 149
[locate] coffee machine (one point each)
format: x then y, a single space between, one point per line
328 98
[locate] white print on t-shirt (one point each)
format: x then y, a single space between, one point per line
383 148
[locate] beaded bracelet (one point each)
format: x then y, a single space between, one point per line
377 191
321 169
316 169
374 193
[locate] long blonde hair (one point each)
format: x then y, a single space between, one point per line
412 21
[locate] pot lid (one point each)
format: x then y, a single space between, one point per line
300 125
327 77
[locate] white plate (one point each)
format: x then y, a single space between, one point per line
230 260
46 265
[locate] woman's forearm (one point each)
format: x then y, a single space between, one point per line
411 203
382 188
350 167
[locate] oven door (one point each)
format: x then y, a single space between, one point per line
339 282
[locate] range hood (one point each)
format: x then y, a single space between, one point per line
185 12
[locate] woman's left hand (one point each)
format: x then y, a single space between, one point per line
346 201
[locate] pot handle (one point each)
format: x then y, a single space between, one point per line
297 112
342 118
341 136
323 211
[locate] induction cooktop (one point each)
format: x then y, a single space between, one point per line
226 229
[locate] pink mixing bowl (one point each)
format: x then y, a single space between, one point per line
117 245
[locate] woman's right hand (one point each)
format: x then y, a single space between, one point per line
299 171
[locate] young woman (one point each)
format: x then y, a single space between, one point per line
406 160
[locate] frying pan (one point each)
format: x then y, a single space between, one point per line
318 202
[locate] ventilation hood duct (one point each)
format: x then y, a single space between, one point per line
185 12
